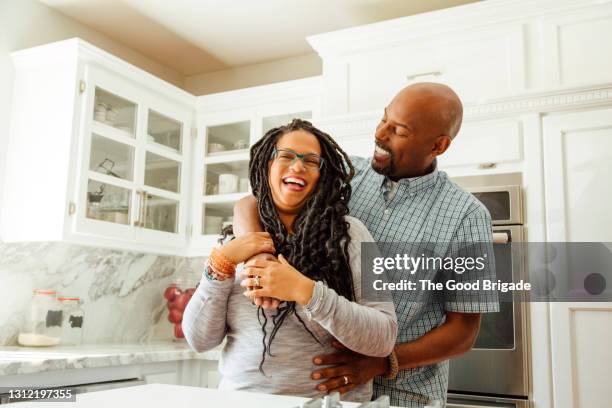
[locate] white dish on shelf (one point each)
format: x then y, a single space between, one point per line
228 183
216 147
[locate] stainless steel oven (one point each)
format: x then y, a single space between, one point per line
497 370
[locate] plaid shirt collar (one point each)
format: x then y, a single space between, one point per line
412 185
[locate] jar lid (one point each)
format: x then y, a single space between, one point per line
44 292
68 298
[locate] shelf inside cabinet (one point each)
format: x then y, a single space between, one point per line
224 198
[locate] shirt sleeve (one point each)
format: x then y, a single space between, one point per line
204 319
366 327
472 250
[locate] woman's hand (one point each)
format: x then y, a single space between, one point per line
279 280
242 248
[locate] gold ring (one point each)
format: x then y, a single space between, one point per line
256 281
346 381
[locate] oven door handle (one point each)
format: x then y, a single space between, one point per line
501 237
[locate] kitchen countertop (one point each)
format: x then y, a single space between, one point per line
163 395
27 360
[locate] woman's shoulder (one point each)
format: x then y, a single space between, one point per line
357 230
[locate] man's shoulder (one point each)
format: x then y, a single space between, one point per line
360 164
469 204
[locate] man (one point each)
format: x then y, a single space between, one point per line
401 196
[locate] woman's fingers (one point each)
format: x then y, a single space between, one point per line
250 282
256 293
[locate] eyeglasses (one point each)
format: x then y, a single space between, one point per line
286 157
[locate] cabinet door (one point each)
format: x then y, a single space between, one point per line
108 195
578 163
134 173
163 178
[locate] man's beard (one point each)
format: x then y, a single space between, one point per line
384 170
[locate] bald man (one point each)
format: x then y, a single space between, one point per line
400 195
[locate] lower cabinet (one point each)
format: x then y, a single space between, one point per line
195 373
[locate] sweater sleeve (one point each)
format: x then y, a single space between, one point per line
204 319
366 327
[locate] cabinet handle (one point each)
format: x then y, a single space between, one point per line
423 74
484 166
145 198
141 204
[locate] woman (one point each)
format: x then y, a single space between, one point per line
300 178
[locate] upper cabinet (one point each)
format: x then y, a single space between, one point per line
485 51
103 153
229 124
99 152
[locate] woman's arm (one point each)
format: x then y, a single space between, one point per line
366 327
204 319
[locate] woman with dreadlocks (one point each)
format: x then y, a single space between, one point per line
300 178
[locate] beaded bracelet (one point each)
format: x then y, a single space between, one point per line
393 366
213 275
221 263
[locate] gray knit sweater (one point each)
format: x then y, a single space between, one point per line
218 309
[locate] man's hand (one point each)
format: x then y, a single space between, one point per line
347 365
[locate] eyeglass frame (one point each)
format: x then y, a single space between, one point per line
299 156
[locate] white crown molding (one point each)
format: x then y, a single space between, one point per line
534 102
490 13
272 93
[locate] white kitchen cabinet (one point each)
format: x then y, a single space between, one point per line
574 46
98 152
577 164
229 123
477 66
484 51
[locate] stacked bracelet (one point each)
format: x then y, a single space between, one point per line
220 263
393 367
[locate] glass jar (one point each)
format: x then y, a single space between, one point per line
43 326
72 322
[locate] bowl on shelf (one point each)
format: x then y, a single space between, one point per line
216 147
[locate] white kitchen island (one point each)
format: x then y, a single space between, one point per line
163 395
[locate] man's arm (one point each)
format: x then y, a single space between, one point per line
246 216
452 338
246 219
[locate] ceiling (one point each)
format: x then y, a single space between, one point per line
200 36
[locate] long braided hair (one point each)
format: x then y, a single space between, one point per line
319 246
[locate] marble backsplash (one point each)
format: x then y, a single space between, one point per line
121 291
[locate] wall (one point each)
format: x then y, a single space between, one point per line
287 69
27 23
122 292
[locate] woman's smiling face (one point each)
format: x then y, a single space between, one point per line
292 183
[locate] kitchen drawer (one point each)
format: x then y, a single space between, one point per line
485 144
477 66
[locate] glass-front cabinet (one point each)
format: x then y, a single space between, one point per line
102 153
135 164
224 140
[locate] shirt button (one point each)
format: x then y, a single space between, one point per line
387 211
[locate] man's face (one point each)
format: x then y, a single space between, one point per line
405 139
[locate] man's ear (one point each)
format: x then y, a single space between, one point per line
441 145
